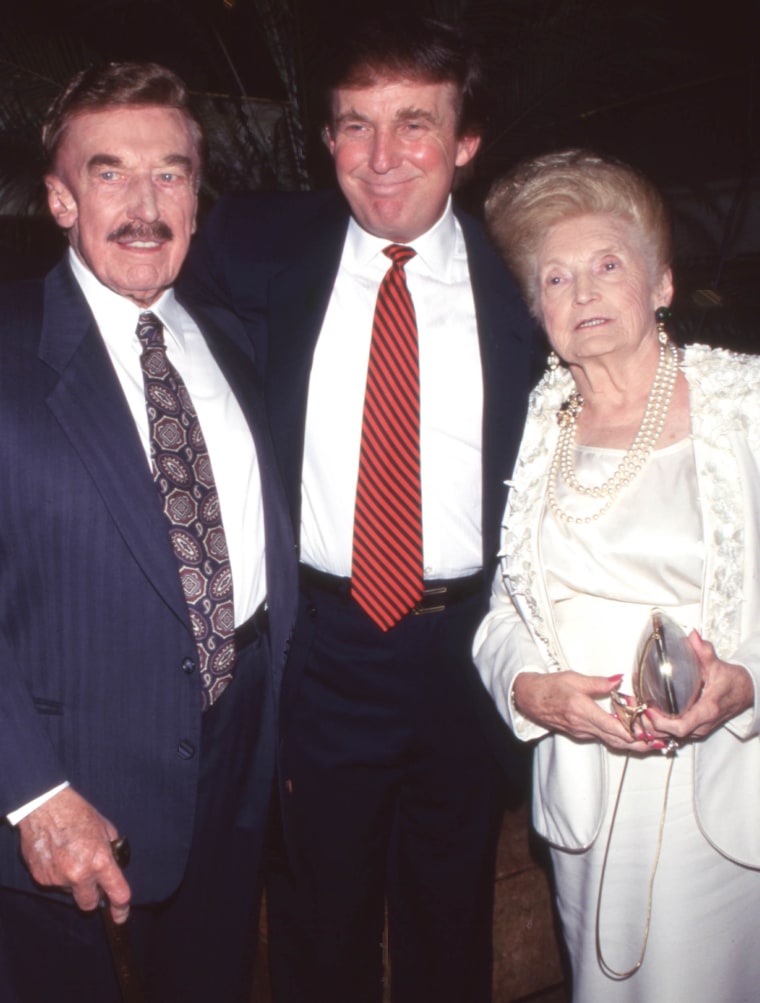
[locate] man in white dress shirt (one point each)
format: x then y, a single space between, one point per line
119 715
389 792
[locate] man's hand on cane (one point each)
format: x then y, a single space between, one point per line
66 844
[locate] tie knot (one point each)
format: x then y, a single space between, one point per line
150 330
399 253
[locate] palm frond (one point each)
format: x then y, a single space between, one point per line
33 68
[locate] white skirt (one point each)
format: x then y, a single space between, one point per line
704 933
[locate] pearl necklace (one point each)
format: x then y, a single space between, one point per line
563 461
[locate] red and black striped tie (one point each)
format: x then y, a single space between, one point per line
386 573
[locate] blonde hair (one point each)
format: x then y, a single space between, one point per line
522 206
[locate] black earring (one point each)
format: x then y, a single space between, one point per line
662 315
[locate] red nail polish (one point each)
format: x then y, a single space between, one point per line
615 679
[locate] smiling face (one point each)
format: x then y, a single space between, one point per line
598 289
396 149
124 186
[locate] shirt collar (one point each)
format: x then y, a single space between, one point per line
363 249
115 313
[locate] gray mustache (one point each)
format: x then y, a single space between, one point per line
159 230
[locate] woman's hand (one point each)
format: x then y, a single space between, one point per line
567 702
727 690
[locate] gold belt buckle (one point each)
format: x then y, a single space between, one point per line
419 610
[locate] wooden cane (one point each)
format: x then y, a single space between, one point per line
118 937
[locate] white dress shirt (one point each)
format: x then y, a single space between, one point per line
228 438
451 403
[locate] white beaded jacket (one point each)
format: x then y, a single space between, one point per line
518 634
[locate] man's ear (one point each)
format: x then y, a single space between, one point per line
61 202
328 138
467 147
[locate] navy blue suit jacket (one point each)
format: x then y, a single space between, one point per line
94 631
273 258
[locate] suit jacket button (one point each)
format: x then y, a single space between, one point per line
288 786
188 666
185 750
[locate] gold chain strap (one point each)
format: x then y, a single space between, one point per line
607 969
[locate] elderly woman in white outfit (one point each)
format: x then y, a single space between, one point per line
637 487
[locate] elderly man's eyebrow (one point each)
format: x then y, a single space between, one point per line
178 160
104 160
110 160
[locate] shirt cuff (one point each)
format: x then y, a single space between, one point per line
14 817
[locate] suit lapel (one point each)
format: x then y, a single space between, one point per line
231 347
226 338
505 346
229 344
299 297
89 405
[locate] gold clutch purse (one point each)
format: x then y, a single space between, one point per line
665 673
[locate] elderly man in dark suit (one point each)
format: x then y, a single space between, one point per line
397 375
148 581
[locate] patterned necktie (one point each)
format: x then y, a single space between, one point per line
386 572
182 472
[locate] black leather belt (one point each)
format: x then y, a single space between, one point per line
438 595
253 628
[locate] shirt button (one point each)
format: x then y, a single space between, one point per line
188 666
